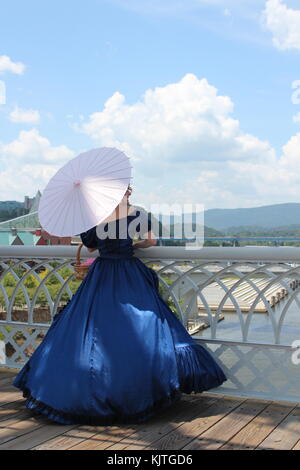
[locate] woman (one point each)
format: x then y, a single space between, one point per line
116 353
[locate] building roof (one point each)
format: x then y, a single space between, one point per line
6 238
28 239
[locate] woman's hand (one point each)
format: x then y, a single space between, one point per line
150 241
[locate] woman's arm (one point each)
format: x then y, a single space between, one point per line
150 241
92 249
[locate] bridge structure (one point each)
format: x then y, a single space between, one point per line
259 404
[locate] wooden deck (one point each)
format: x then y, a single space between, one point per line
202 421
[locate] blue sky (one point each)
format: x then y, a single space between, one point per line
226 134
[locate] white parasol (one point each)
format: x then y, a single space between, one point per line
84 192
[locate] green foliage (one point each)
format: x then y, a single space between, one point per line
163 292
19 270
65 297
2 301
74 285
31 285
31 282
8 329
20 299
53 285
211 243
54 264
9 280
11 211
52 279
42 299
65 272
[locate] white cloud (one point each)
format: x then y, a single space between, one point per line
283 23
15 183
277 182
25 116
184 121
27 164
240 183
187 147
7 65
31 147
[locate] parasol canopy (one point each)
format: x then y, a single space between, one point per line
84 192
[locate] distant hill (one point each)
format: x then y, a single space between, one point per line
211 232
255 218
11 209
252 231
189 230
10 205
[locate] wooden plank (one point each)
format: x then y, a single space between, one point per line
74 437
34 437
18 415
8 372
6 378
260 427
6 381
228 426
202 420
105 437
8 392
297 446
8 387
93 437
285 435
13 428
13 404
15 411
276 426
158 428
10 396
114 434
18 399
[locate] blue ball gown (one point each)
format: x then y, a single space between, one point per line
116 353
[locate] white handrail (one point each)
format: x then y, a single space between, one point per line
258 254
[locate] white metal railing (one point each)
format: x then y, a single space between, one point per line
247 298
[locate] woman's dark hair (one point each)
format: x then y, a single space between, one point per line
129 188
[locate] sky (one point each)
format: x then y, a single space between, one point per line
202 95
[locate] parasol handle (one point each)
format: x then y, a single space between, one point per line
78 253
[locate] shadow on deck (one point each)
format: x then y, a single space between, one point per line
198 421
